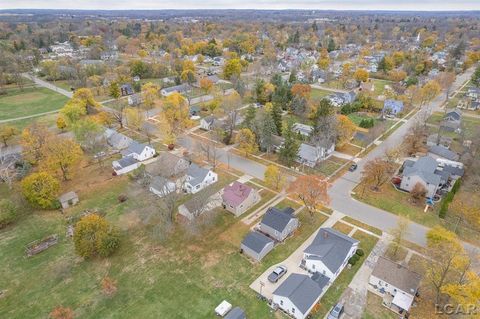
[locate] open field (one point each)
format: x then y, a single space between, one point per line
32 100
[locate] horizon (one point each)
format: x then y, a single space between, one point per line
261 5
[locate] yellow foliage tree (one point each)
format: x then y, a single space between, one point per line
274 178
60 155
246 141
345 128
361 75
40 189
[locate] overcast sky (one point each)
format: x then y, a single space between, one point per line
412 5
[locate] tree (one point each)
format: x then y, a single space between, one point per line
206 85
232 68
265 130
230 104
41 189
325 128
114 90
376 173
61 123
246 141
447 254
430 90
413 142
150 95
7 132
301 90
289 150
418 192
345 128
250 117
61 154
475 79
465 292
385 64
8 212
277 118
176 114
399 233
94 236
34 138
188 76
311 190
89 134
331 45
274 178
61 313
361 75
96 82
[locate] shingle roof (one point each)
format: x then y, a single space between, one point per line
177 88
302 291
196 173
393 105
256 241
124 162
396 275
134 148
235 313
166 165
425 168
278 219
444 152
236 193
331 247
308 152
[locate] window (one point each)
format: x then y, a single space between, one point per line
281 302
293 310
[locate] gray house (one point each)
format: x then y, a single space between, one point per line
256 245
423 171
117 140
440 151
452 121
279 224
298 294
310 155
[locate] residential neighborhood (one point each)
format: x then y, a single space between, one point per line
240 161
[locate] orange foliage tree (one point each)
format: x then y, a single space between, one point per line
311 190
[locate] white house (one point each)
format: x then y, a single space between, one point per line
299 294
210 122
140 152
198 178
329 253
310 155
125 165
398 281
182 88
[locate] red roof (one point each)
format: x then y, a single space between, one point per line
236 193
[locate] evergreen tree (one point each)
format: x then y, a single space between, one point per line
293 76
266 130
277 117
331 45
250 117
476 77
289 151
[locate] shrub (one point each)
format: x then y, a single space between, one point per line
94 236
456 186
41 189
359 252
353 260
8 212
367 123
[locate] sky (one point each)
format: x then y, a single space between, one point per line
408 5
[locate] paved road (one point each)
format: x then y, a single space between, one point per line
326 88
342 187
47 85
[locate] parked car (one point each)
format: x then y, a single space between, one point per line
277 273
353 167
336 312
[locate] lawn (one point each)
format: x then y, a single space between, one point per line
342 227
32 100
160 271
318 94
358 117
379 85
375 309
349 149
331 297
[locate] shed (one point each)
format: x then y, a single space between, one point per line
68 199
256 245
236 313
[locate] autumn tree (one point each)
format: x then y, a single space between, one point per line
418 192
301 90
176 115
399 233
206 85
274 178
413 142
232 68
345 128
61 313
361 75
7 132
230 104
41 189
376 173
34 138
150 95
246 141
311 190
94 236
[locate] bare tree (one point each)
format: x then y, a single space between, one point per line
8 172
399 233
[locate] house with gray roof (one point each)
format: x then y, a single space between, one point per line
392 107
302 129
168 165
125 165
452 121
140 152
435 139
423 171
182 88
329 253
117 140
279 223
298 295
310 155
161 186
198 178
440 151
236 313
256 245
396 280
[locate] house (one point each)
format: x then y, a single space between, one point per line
182 88
198 178
423 171
299 294
109 55
126 89
452 121
473 93
208 199
168 165
125 165
140 152
68 199
392 107
238 198
302 129
348 97
161 186
256 245
279 223
329 253
210 122
393 279
117 140
440 151
433 139
310 155
134 99
236 313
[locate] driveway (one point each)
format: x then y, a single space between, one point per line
262 286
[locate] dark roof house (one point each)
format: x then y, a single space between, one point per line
279 223
256 245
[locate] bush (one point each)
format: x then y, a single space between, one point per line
353 260
122 198
94 236
456 186
367 123
359 252
8 212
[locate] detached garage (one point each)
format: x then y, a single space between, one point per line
256 245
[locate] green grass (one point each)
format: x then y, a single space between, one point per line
183 275
357 118
375 309
318 94
332 296
379 86
29 102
